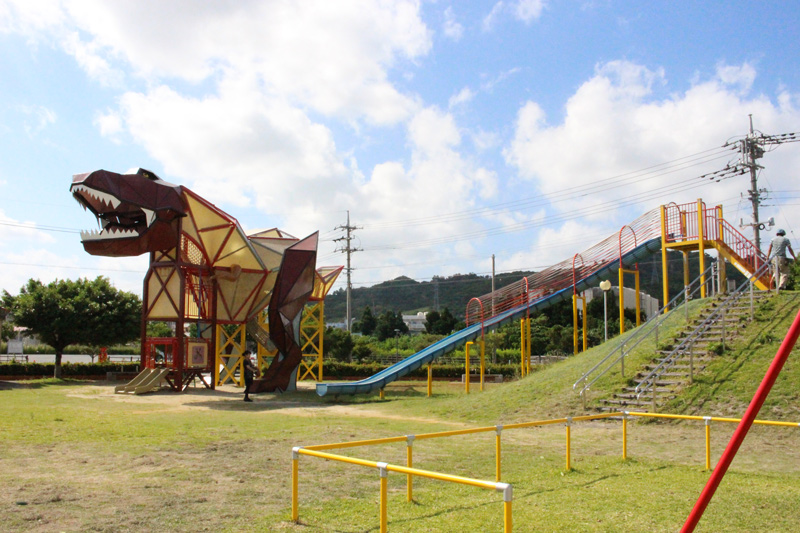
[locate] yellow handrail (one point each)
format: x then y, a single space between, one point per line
384 468
410 471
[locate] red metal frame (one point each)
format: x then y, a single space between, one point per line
744 426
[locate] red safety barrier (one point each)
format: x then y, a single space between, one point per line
744 426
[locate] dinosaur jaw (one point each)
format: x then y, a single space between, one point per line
124 229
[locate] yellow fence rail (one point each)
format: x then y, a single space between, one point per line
319 451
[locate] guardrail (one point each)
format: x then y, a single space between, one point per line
643 332
320 451
650 380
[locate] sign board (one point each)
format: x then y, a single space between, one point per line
14 347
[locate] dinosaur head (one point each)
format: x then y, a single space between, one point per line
137 212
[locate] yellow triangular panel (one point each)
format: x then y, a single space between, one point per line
237 252
213 240
205 216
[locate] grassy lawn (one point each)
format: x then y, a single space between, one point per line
76 457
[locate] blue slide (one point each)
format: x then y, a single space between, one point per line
448 344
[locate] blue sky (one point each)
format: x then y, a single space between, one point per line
439 125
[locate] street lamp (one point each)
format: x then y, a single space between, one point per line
396 351
606 286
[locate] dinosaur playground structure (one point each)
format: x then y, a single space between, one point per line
672 227
206 274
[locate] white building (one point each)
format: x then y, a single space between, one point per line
648 304
416 323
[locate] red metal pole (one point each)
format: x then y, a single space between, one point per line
744 426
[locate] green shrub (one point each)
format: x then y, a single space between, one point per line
339 369
78 349
30 370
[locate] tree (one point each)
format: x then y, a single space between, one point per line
368 322
66 312
440 323
338 344
388 322
432 321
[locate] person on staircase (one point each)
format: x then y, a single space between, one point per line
779 245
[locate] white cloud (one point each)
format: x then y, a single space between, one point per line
614 124
340 52
463 96
742 76
238 146
528 10
523 10
452 29
109 124
16 232
490 20
38 118
29 17
91 60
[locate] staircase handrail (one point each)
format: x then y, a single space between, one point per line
642 332
669 361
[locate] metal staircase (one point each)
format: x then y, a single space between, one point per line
691 350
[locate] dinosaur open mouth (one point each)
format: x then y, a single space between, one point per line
116 219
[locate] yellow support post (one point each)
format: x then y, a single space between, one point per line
701 245
466 366
638 301
430 380
723 275
568 427
685 269
507 523
621 301
483 364
235 341
522 347
575 324
708 442
498 430
312 335
664 264
384 512
528 346
409 464
295 483
624 437
585 329
380 394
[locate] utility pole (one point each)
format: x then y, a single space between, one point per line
752 148
492 284
348 249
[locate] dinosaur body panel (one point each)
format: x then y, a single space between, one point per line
202 264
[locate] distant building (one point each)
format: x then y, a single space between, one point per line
416 323
649 305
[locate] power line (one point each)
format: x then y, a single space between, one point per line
570 193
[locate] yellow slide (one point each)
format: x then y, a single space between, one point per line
148 380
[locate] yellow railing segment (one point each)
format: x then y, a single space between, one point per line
410 471
384 469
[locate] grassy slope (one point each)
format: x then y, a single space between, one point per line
85 461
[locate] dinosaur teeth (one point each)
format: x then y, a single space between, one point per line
105 198
151 215
108 233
